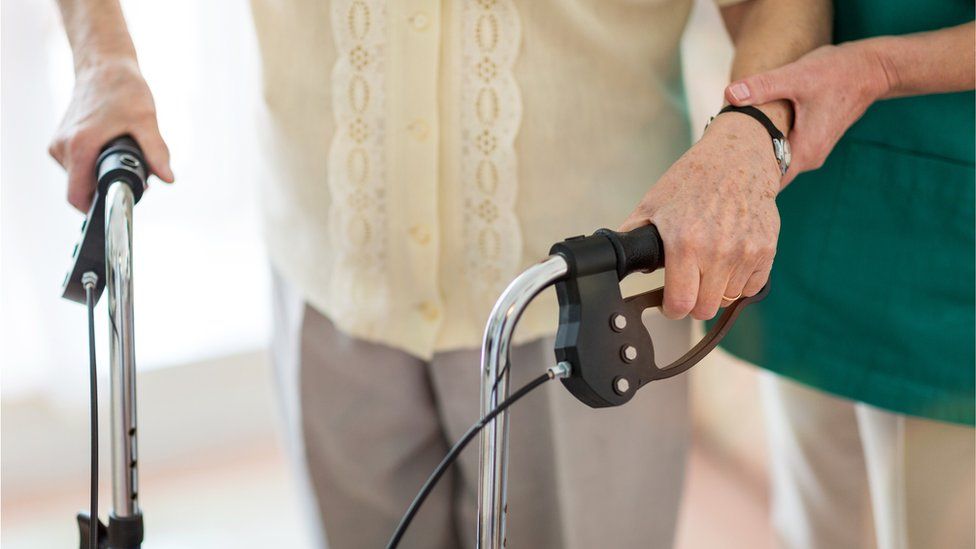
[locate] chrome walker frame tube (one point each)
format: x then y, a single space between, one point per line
122 368
493 467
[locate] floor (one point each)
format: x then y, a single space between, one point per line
721 508
249 501
244 502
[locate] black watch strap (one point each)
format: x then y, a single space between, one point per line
759 116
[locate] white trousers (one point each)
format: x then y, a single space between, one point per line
841 470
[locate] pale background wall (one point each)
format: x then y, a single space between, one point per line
213 473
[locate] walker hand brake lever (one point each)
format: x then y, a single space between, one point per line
601 334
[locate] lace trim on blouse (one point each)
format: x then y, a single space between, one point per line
490 115
357 159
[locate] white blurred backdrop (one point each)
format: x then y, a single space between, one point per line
198 250
206 411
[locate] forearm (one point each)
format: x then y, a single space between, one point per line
771 33
96 31
939 61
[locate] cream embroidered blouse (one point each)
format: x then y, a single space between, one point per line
427 151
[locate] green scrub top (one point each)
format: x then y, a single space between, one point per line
872 290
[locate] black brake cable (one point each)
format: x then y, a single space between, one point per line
560 370
498 378
90 280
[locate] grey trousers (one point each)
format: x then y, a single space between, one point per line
368 424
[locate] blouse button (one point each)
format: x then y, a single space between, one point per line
418 129
420 234
429 311
419 21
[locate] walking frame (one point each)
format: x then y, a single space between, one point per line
603 352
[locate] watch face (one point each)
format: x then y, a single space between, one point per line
784 155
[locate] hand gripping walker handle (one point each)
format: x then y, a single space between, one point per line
120 161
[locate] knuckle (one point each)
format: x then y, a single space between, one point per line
678 307
767 244
750 249
688 241
78 141
143 108
723 248
680 244
146 116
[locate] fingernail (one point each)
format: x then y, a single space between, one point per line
739 91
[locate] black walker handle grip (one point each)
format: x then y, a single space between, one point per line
638 250
122 160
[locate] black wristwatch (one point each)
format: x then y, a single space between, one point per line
781 147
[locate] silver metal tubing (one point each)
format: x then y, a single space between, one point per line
493 469
118 286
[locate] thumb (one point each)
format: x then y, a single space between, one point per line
761 88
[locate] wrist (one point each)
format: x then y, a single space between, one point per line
103 63
872 55
780 112
105 51
745 131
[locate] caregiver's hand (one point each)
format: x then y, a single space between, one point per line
830 88
716 212
110 99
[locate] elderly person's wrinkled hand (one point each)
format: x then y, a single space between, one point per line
110 99
715 209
